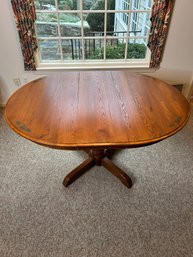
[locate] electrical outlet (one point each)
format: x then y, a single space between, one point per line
17 82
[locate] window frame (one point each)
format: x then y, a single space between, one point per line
93 64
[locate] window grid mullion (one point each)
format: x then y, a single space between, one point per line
82 29
93 11
128 26
105 31
59 32
91 37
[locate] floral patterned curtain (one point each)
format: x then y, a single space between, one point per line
25 17
161 13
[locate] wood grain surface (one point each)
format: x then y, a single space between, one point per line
96 109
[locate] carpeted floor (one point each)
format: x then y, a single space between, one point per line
96 216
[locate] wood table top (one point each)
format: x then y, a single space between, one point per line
96 109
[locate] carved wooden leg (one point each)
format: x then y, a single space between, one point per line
97 157
78 171
115 170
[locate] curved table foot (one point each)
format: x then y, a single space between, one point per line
97 157
78 171
116 171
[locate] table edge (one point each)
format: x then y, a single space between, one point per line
68 146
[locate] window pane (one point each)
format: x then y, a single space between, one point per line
93 22
46 25
111 4
141 5
68 5
136 49
49 49
70 24
94 49
48 5
72 49
120 23
111 23
93 4
139 24
122 5
115 48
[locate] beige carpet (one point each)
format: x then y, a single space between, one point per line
96 216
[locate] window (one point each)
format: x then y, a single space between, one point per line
106 21
86 33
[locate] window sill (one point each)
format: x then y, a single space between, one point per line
91 65
140 65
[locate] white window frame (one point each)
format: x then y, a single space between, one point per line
92 64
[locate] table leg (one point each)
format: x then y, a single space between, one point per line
97 157
78 171
116 171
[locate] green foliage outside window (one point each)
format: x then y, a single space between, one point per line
135 51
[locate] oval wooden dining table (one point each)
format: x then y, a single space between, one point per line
96 111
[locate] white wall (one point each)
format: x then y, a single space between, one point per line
177 64
11 63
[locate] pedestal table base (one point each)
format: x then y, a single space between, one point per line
97 157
